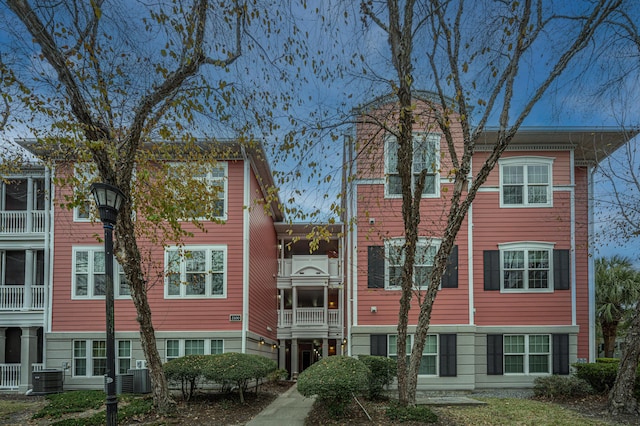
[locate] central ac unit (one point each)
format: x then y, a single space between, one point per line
141 363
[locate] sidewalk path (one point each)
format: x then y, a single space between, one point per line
290 409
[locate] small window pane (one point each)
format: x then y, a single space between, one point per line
538 364
512 175
514 344
217 347
173 349
513 194
81 285
537 195
428 365
431 345
217 284
514 364
100 285
539 344
79 349
394 185
538 174
194 347
98 262
217 261
82 262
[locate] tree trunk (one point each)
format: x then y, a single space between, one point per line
621 397
609 335
159 388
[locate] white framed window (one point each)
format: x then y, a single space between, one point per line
89 279
426 156
196 272
90 357
123 356
429 362
425 255
527 354
214 180
526 182
85 175
526 267
176 348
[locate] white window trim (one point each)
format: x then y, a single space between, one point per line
525 162
181 346
410 339
422 241
90 285
118 357
89 356
526 246
182 266
436 138
526 355
224 165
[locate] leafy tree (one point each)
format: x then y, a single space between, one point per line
476 78
617 293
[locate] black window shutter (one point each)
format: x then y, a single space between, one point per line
561 266
494 354
450 276
560 354
492 269
448 355
378 344
375 267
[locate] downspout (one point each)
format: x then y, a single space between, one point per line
591 268
573 240
351 285
48 271
245 252
472 308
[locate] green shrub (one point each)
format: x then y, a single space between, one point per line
607 361
186 371
277 375
334 380
237 369
560 387
382 372
601 375
420 413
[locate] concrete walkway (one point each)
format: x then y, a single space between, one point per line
289 409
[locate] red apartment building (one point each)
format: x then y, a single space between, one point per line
517 300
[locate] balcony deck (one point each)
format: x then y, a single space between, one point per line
12 298
22 222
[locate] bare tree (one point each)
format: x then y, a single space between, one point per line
475 76
107 112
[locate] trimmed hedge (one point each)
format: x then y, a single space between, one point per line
601 375
382 372
228 369
335 380
186 371
561 387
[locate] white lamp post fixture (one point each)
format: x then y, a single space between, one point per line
109 199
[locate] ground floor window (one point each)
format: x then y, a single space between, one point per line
429 362
90 357
527 354
177 348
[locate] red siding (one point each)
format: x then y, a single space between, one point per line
168 314
263 255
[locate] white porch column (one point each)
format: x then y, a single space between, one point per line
294 308
326 306
294 357
282 354
29 268
28 355
30 206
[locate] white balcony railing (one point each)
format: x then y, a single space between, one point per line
309 316
9 376
20 222
37 367
12 298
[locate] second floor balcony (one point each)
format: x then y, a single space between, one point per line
22 298
21 222
310 317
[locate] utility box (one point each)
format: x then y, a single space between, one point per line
124 383
141 380
46 382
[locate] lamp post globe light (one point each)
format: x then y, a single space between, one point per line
109 199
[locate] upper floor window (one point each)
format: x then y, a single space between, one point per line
85 175
196 272
213 190
89 279
426 156
525 182
22 194
526 266
424 259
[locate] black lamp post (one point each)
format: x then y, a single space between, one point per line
108 199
